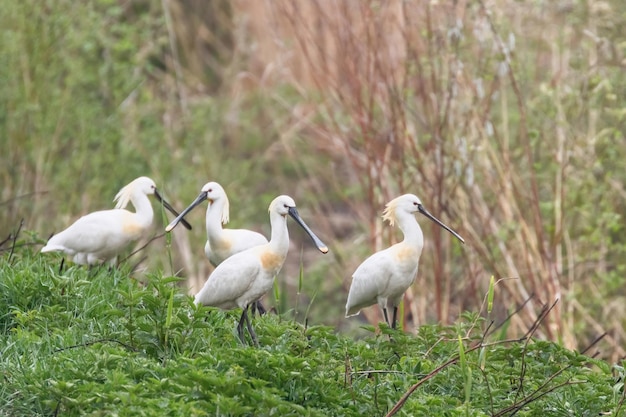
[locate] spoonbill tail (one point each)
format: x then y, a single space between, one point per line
246 276
221 243
386 275
100 236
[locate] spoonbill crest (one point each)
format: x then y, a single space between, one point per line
246 276
386 275
221 243
100 236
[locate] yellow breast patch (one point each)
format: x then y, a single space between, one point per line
223 245
132 228
271 260
406 253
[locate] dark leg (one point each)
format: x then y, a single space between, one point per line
257 306
244 316
251 331
386 318
395 314
61 266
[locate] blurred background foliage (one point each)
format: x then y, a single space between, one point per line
507 118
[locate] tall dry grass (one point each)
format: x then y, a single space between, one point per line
487 111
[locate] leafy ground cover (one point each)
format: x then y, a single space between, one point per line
99 342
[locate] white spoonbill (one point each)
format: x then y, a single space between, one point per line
100 236
246 276
386 275
221 243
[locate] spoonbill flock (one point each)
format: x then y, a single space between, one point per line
245 262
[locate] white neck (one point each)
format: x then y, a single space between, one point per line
279 240
410 228
143 208
214 219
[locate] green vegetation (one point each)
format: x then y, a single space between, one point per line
98 342
507 121
506 118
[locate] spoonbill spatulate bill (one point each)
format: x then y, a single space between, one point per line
386 275
100 236
221 243
243 278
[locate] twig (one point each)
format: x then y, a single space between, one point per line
455 359
377 371
514 408
141 248
533 328
93 342
544 312
15 235
535 395
134 268
435 371
21 245
418 384
6 240
517 310
10 200
595 341
484 374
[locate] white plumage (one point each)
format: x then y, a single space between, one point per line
384 277
243 278
100 236
221 243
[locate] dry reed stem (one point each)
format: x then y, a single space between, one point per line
403 108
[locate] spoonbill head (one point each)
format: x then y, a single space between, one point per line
221 243
245 277
384 277
100 236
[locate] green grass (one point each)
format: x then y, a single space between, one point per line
98 342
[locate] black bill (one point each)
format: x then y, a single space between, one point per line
180 218
436 220
170 208
320 245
